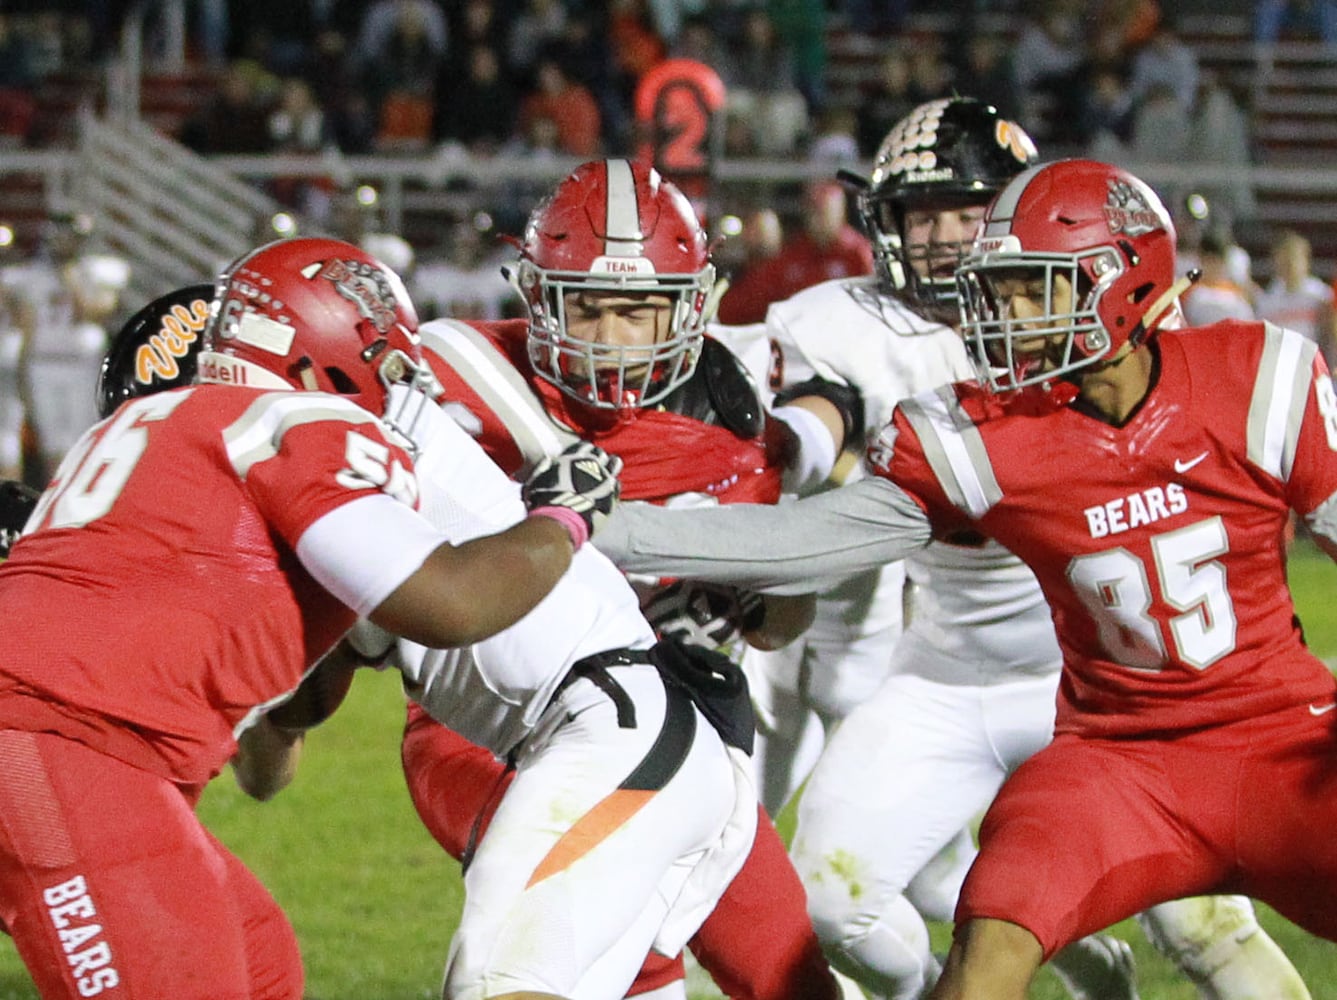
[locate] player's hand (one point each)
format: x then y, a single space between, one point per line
703 614
582 479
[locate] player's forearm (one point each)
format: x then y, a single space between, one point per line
786 548
464 593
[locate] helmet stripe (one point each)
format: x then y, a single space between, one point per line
622 226
999 219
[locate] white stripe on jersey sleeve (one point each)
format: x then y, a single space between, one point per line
954 449
362 550
1276 408
500 386
256 435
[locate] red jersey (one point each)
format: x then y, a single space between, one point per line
156 599
492 391
1159 544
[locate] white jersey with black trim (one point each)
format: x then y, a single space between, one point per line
494 691
977 615
846 331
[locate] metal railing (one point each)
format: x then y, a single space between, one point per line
176 216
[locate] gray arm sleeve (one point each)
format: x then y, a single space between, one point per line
788 548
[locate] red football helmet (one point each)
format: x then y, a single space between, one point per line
615 226
1093 224
314 314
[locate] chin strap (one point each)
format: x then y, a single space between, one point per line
1166 300
712 302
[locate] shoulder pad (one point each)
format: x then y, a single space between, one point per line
720 392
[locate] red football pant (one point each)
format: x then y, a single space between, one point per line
1090 831
757 944
109 884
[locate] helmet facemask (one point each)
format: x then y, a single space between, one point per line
613 376
410 388
920 273
1065 334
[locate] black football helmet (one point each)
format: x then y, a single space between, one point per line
954 152
156 348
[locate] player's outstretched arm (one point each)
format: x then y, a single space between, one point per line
788 548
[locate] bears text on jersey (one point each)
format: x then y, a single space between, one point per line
1135 510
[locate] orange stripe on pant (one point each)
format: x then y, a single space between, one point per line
590 830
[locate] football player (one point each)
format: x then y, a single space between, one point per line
615 271
587 654
458 782
266 508
971 688
1150 503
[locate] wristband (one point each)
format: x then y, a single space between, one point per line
573 523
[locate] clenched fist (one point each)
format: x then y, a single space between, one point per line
582 480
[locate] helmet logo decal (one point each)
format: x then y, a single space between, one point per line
911 143
366 287
177 330
622 265
1013 138
1128 211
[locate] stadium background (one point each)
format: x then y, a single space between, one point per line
373 899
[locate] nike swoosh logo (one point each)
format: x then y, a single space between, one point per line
1181 466
1321 709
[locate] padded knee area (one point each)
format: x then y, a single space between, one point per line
1217 942
885 948
1199 933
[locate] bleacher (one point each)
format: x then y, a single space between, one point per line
1291 93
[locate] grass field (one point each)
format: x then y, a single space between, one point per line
374 900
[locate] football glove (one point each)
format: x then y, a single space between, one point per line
703 614
581 479
16 505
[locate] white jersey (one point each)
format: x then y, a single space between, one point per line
846 332
977 614
645 876
493 692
